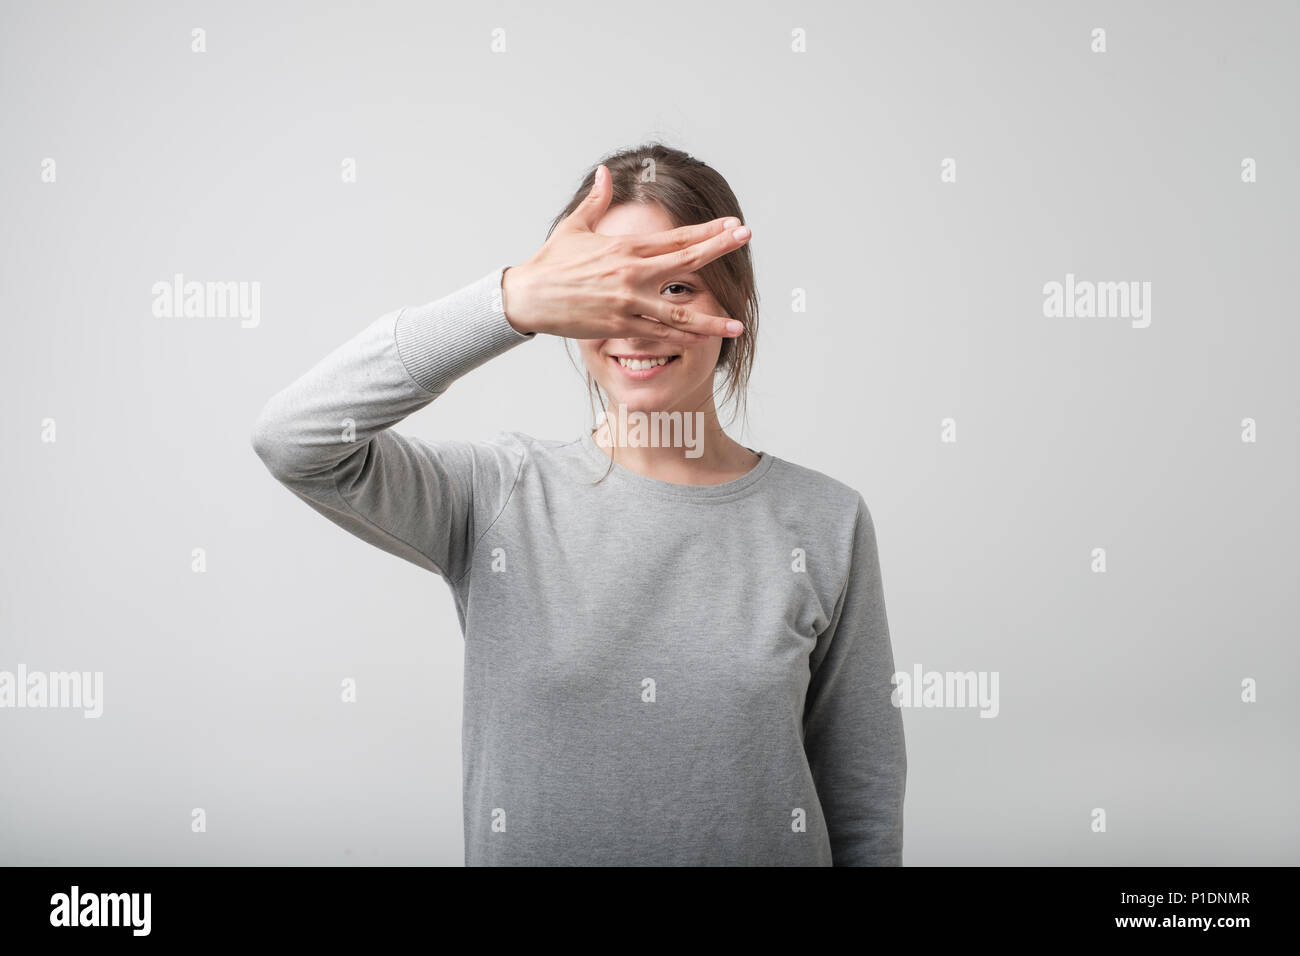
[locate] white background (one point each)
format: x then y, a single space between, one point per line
1118 691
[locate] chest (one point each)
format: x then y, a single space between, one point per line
632 606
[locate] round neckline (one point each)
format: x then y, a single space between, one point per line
669 489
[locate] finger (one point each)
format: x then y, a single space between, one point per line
640 327
593 207
694 257
671 240
678 316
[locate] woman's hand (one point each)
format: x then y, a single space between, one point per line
583 285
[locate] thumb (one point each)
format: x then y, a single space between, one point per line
593 207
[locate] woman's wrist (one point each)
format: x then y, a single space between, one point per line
510 301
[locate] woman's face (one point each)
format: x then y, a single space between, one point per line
685 381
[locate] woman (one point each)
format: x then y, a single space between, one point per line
676 648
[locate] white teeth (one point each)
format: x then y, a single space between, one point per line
642 364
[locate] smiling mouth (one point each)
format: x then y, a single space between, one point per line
642 366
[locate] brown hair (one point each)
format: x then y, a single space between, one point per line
690 192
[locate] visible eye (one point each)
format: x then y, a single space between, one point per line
681 287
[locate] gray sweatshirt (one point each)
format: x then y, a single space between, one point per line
655 674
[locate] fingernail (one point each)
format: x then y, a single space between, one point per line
731 222
742 232
734 327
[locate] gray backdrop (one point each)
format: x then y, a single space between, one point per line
1119 691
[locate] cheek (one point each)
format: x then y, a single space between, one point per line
704 357
589 350
710 351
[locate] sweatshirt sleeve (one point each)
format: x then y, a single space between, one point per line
853 734
328 437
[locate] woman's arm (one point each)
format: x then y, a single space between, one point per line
853 733
328 438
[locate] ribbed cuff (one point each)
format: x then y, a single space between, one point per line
443 340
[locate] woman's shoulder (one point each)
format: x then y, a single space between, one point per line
525 444
519 448
808 487
826 511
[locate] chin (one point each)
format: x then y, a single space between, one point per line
640 400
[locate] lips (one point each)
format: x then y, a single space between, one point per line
643 365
